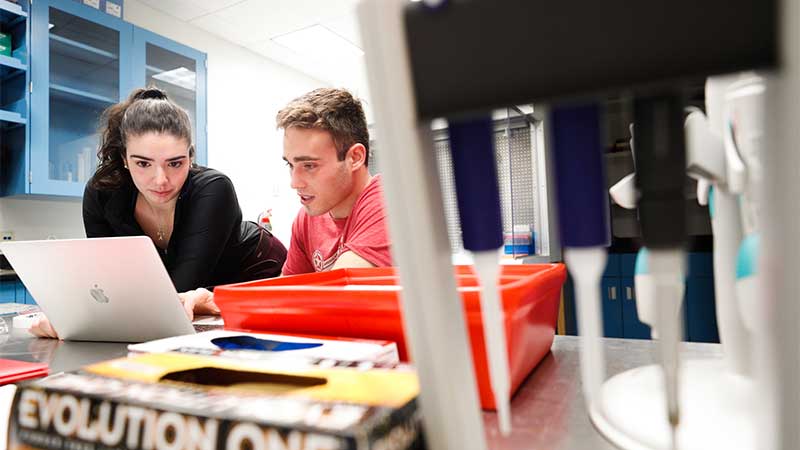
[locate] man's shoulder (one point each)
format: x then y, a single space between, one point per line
376 183
372 196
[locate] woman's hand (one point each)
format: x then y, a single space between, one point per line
199 301
42 327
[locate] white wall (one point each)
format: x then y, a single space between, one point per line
39 218
245 91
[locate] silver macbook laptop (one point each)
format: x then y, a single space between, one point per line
104 289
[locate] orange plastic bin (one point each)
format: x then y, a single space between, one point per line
363 303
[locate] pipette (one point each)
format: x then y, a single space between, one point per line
472 147
584 225
708 162
743 138
660 173
625 194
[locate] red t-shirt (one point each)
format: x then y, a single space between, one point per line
318 241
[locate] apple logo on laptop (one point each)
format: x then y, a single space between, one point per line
98 295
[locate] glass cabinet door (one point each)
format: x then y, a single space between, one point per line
178 70
82 68
14 81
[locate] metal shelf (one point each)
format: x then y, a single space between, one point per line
11 14
9 120
81 96
80 51
10 67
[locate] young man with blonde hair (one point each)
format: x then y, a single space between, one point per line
343 219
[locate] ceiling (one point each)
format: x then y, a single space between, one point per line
317 37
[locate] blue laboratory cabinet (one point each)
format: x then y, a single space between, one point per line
12 291
8 291
613 324
82 61
700 316
81 67
14 97
178 70
618 298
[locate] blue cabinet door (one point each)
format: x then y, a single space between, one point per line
610 297
8 292
181 72
701 310
699 301
15 100
612 307
632 327
613 262
22 293
82 65
627 264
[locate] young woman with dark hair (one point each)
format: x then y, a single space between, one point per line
146 183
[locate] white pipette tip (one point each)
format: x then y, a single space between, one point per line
503 413
667 266
488 269
586 266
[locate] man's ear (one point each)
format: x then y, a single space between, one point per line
356 155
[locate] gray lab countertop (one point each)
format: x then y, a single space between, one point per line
548 410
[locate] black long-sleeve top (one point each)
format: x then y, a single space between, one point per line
209 244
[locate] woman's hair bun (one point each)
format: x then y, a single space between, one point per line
151 92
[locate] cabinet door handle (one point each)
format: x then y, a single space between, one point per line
612 292
629 292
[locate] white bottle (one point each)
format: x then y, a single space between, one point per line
81 166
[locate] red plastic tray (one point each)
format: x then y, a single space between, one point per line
12 371
347 302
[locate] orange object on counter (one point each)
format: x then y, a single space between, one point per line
363 303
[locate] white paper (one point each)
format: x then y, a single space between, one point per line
208 320
375 351
113 9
